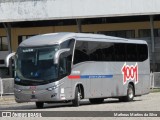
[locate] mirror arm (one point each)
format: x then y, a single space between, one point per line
57 54
8 57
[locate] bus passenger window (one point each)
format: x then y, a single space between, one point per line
142 52
120 52
108 52
81 52
131 50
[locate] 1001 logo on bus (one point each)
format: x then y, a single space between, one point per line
130 73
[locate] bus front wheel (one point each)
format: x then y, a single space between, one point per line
76 101
39 105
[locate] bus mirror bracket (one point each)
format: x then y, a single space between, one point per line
58 53
8 57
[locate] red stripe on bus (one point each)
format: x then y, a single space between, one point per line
74 77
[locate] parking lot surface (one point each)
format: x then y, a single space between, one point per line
150 102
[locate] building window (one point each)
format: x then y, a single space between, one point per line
23 37
121 33
144 33
147 33
3 43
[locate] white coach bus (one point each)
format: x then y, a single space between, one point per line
63 67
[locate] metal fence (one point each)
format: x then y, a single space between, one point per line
1 87
6 86
155 80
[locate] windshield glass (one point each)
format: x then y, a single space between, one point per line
37 63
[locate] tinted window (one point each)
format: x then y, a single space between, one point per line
81 54
109 52
95 51
142 52
120 52
66 58
103 51
100 51
131 50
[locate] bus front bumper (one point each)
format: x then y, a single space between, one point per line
41 96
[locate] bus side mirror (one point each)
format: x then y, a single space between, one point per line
8 57
58 53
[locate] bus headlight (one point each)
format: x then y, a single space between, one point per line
52 88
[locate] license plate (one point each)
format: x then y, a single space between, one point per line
33 100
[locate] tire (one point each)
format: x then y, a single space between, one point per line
122 99
39 105
130 95
96 100
76 101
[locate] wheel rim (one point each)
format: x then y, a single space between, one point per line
130 93
79 96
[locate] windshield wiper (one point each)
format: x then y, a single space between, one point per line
24 79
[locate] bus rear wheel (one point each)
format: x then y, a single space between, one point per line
76 101
96 100
130 94
39 105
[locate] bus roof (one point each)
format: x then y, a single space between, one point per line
57 38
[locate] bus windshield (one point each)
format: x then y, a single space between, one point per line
36 63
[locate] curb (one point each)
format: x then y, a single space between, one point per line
6 100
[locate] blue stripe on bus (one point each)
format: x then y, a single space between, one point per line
95 76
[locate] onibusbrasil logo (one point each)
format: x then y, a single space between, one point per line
130 72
